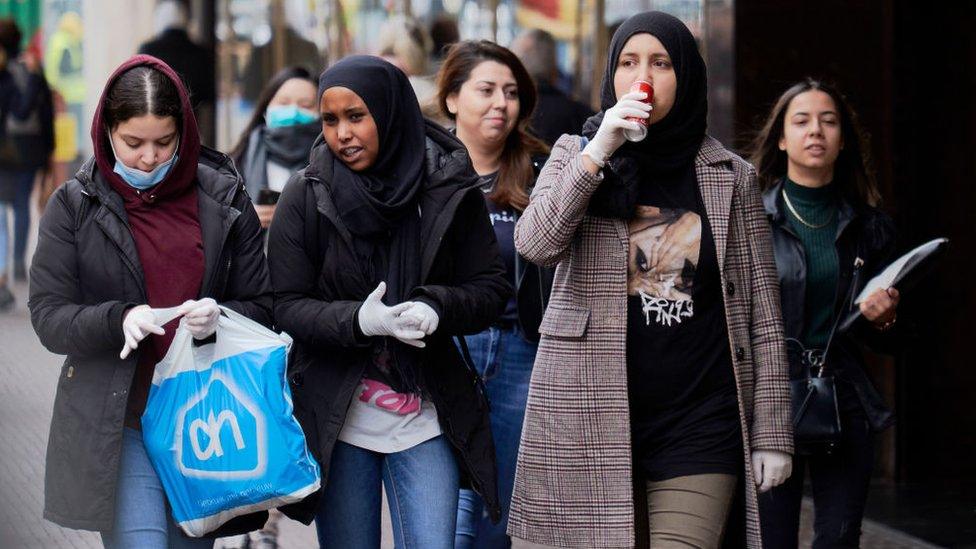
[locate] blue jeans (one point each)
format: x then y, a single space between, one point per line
421 486
23 183
142 518
4 236
504 359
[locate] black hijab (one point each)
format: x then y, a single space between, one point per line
668 152
373 201
379 205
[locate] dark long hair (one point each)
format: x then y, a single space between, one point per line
264 99
140 91
853 168
515 175
10 37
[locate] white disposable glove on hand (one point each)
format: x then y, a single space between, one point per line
771 468
138 323
424 315
376 319
610 136
200 317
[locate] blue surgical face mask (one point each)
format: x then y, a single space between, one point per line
139 179
280 116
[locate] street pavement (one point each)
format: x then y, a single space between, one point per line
28 375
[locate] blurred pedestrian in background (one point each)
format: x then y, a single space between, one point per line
26 142
193 62
555 113
444 33
277 140
404 42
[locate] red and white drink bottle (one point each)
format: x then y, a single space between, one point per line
640 134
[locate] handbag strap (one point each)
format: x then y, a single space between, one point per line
479 382
849 300
802 410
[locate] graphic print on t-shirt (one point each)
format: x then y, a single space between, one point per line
665 244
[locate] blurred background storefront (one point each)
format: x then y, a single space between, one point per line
258 37
250 40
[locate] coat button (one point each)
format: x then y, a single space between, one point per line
740 353
297 380
730 288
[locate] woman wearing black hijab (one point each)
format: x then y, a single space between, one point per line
665 291
381 251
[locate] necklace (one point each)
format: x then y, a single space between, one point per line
804 221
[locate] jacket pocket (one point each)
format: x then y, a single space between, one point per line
564 322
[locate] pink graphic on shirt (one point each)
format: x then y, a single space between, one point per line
384 397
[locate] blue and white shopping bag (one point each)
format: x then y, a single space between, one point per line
219 428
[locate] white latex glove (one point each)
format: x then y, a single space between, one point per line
376 319
610 136
200 317
771 468
138 323
424 315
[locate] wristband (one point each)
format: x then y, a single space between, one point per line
887 325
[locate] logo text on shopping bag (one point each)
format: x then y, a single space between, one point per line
220 433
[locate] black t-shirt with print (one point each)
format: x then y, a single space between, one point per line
684 411
503 222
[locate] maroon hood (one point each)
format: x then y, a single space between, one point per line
180 176
165 226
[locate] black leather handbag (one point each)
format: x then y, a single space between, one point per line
816 415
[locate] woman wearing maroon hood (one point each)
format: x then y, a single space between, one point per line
153 220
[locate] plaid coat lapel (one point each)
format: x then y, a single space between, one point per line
715 191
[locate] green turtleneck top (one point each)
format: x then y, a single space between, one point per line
817 206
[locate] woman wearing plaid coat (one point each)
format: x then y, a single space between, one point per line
662 364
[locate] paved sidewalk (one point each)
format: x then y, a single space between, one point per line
28 375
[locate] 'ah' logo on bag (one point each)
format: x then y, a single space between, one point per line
220 433
212 429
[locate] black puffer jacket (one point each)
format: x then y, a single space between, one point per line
866 233
85 274
318 291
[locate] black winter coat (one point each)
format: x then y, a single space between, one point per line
85 274
864 232
319 289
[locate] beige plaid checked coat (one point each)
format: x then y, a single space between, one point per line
573 482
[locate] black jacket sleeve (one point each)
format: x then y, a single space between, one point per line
880 241
298 306
480 290
64 324
248 289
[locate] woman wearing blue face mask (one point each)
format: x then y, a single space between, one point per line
277 140
154 220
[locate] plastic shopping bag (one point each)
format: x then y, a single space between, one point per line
219 428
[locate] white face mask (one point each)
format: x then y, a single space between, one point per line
139 179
